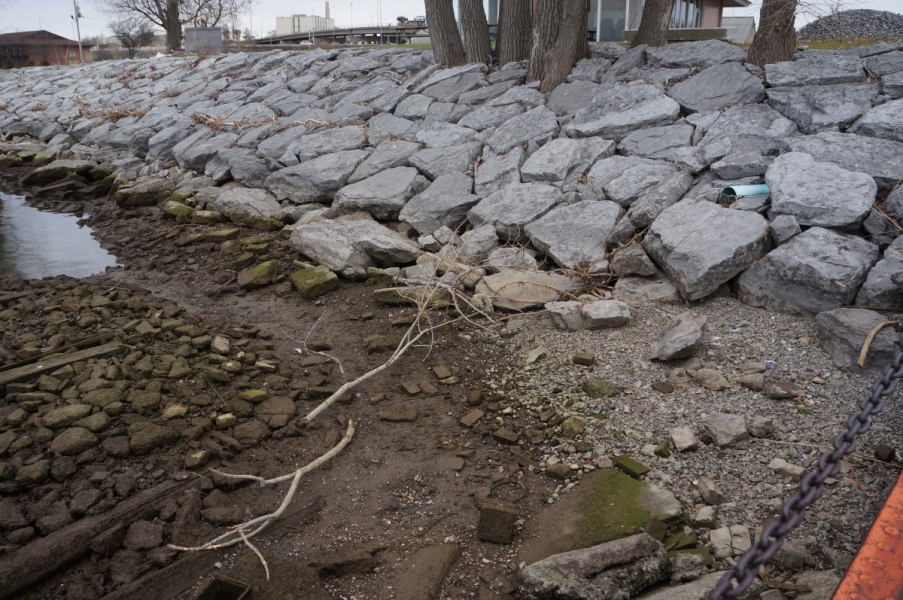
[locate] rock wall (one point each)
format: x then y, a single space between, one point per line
371 158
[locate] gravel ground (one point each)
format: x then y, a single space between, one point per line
637 420
850 24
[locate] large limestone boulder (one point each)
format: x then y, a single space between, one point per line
574 235
315 180
749 128
879 290
249 207
434 162
701 245
512 207
817 108
622 108
819 194
880 158
718 87
383 195
350 247
443 204
885 121
496 171
624 178
57 170
538 125
816 69
704 54
561 157
844 331
815 271
387 155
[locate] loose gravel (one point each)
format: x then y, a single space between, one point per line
852 24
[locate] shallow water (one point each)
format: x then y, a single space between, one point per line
36 244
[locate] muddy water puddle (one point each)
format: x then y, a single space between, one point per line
36 244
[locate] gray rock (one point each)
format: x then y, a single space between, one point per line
879 290
623 231
387 155
350 247
475 245
815 69
701 245
843 333
519 290
656 199
565 315
160 144
817 108
880 158
434 162
729 541
450 89
624 178
741 165
698 589
443 204
385 127
660 78
632 260
509 258
684 439
655 290
605 313
819 194
497 171
634 58
250 207
657 142
822 583
703 54
513 207
589 69
537 125
315 180
526 95
440 135
561 157
894 203
143 535
488 116
783 228
750 128
892 85
725 430
568 98
272 148
383 195
885 121
622 108
415 106
73 440
681 340
574 235
490 92
885 64
817 270
615 570
718 87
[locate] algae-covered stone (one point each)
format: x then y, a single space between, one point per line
258 275
559 471
95 423
255 396
102 397
65 416
630 467
177 209
74 440
313 283
573 427
597 388
145 436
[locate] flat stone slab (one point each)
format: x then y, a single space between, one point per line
701 245
624 178
750 128
706 53
817 270
383 195
574 235
561 157
816 108
537 125
434 162
816 69
317 179
819 194
880 158
444 203
718 87
681 340
885 121
519 290
622 108
497 171
513 207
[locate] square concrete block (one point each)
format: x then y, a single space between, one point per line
497 519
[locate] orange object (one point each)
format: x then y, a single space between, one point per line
877 570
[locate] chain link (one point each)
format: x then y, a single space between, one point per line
811 487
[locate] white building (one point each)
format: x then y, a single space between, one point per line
304 23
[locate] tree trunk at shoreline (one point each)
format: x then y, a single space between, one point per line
476 32
447 48
654 24
775 39
514 34
559 41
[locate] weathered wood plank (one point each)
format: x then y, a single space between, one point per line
77 344
53 364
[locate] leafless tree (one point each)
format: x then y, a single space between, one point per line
171 15
133 34
514 36
446 41
653 29
476 31
559 41
775 39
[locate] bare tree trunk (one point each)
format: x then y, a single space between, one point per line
559 41
654 23
173 26
775 39
513 41
447 48
476 31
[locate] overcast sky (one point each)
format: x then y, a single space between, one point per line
55 15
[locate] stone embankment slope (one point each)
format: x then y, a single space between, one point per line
375 159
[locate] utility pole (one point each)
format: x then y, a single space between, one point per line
78 30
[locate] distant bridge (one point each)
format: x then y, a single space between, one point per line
391 34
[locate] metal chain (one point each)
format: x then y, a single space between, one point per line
811 487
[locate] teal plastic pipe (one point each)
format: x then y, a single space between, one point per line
742 191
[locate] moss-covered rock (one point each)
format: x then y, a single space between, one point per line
312 283
611 508
257 222
177 209
258 275
206 217
630 467
573 427
146 193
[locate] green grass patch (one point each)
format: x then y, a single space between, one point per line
611 509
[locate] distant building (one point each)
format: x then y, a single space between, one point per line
35 48
743 29
304 23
